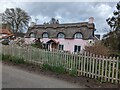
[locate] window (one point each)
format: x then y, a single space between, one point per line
78 36
61 47
61 35
32 35
45 35
77 48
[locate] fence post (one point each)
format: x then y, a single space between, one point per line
69 67
90 65
109 69
74 67
96 66
106 68
79 64
87 61
56 53
113 69
72 61
46 55
93 64
66 61
117 70
84 62
99 70
102 69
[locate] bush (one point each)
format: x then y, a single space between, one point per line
37 44
46 67
34 45
13 59
5 42
17 60
115 54
57 69
6 57
73 72
98 49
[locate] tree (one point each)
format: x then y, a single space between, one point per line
17 18
114 21
112 39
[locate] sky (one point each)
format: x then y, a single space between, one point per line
66 12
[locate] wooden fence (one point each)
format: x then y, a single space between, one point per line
106 69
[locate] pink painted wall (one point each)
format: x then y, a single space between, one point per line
69 43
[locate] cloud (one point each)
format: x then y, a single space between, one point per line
68 11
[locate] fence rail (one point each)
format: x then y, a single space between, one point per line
106 69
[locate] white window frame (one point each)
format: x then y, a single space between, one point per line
78 36
61 35
45 35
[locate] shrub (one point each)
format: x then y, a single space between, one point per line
6 57
98 49
34 45
58 69
115 54
37 44
46 67
13 59
73 72
17 60
5 42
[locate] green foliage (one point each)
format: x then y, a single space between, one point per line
5 42
115 54
46 67
37 44
13 59
5 57
57 69
34 45
73 72
112 39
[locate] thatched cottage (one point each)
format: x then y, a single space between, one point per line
71 37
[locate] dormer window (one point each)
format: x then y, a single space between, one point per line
32 35
45 35
78 36
61 35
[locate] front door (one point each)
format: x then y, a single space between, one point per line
54 45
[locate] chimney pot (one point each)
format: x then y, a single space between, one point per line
91 20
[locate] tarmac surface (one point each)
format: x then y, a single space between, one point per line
16 78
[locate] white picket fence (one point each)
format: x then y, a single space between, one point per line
106 69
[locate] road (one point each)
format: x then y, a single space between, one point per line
16 78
